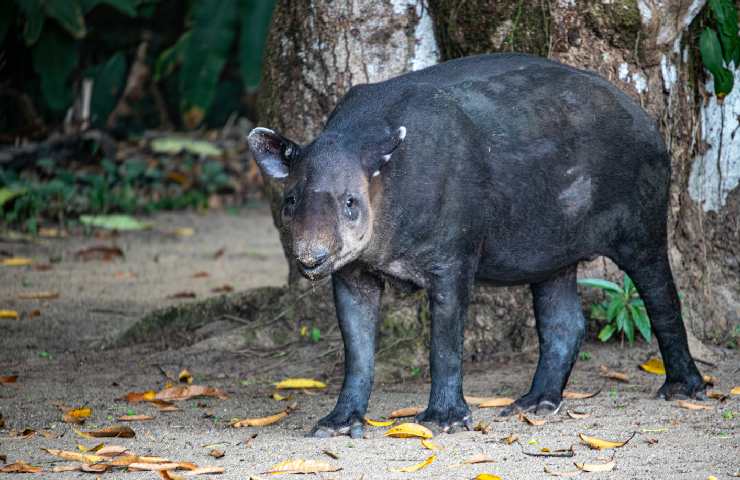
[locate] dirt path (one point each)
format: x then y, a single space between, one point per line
58 358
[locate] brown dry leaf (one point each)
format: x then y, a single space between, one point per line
201 275
693 406
535 422
111 450
717 395
16 262
735 391
299 383
184 294
215 453
418 466
575 414
75 456
496 402
409 430
430 445
43 267
611 374
185 376
66 468
570 395
599 444
163 406
135 418
597 467
303 466
5 379
94 468
225 288
20 467
219 253
116 431
185 392
405 412
99 252
126 460
260 422
154 467
34 313
654 366
379 423
135 397
556 473
482 427
204 471
510 439
11 314
479 458
711 380
38 296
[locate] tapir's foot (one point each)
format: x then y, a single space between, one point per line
339 423
539 403
693 388
449 418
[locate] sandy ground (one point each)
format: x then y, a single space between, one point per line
59 358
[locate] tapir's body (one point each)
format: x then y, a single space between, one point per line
501 168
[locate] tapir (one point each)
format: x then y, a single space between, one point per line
505 168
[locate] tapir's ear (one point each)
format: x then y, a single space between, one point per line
272 151
384 151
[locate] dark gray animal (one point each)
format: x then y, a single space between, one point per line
504 168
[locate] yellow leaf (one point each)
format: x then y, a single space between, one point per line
9 314
16 262
418 466
85 449
570 395
75 456
379 423
185 376
735 391
135 397
184 232
184 392
710 379
80 412
597 467
409 430
654 365
599 444
279 398
405 412
692 406
430 445
302 466
487 476
259 422
496 402
293 383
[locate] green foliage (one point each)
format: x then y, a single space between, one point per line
255 21
584 356
622 311
719 51
54 57
315 334
108 82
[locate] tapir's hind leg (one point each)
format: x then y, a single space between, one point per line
560 328
651 273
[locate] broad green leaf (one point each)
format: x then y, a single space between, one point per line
114 222
641 322
9 193
127 7
620 319
34 20
598 312
212 35
175 145
629 287
110 78
726 15
638 302
606 333
170 58
628 326
69 15
599 283
7 15
54 58
711 56
255 23
615 307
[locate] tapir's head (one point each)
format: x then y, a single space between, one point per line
327 208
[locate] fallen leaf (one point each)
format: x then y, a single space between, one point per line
611 374
693 406
556 473
331 454
259 422
219 253
226 288
597 467
38 296
405 412
77 415
201 275
570 395
20 467
111 450
94 448
51 233
135 418
478 458
204 471
293 383
126 460
185 392
12 314
482 427
66 468
184 294
163 406
34 313
535 422
21 434
173 145
184 232
303 466
114 222
574 414
215 453
185 376
153 467
496 402
120 431
654 366
75 456
5 379
418 466
735 391
487 476
710 379
99 252
716 395
16 262
409 430
430 445
599 444
546 452
94 468
510 439
135 397
379 423
651 441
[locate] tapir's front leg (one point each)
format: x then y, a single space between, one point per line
357 300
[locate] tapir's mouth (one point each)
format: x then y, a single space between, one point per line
317 272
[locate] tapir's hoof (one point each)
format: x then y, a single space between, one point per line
354 430
683 390
449 419
539 404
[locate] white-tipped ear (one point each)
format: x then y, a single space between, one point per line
401 132
271 151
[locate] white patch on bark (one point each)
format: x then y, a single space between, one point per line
717 172
640 82
668 72
426 52
624 71
646 13
670 20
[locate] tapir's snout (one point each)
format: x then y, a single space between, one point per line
313 260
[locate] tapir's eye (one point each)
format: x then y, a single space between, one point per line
350 208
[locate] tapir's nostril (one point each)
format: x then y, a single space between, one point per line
315 258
